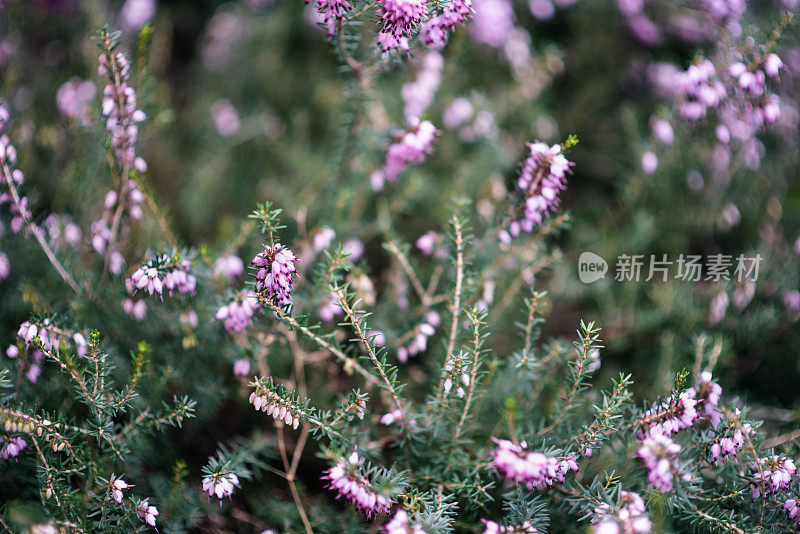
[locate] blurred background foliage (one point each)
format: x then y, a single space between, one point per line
246 102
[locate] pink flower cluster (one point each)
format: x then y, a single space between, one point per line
436 31
160 273
73 99
727 446
410 146
659 452
120 108
8 158
673 415
542 178
534 469
793 507
418 94
772 475
275 273
630 517
419 341
147 513
229 265
11 447
400 18
494 528
270 402
351 486
401 524
220 485
238 314
51 336
332 12
116 486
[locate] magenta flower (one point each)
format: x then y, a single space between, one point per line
275 274
534 469
542 178
400 18
410 146
238 314
401 524
116 489
147 513
270 402
220 485
494 528
11 447
351 486
629 517
659 453
74 97
231 266
332 12
772 475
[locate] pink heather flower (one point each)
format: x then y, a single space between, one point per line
662 131
495 528
330 308
135 13
658 453
12 351
492 22
116 489
542 178
772 475
542 9
400 524
275 275
354 249
323 239
791 300
11 447
331 12
220 485
73 99
147 278
629 517
225 117
119 106
5 266
189 318
728 446
718 308
709 393
649 162
418 95
136 308
351 486
241 367
426 243
158 274
457 113
436 31
238 314
411 146
773 65
793 507
534 469
271 403
400 18
147 513
230 266
33 372
676 413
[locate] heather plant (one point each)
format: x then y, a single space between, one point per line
368 351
